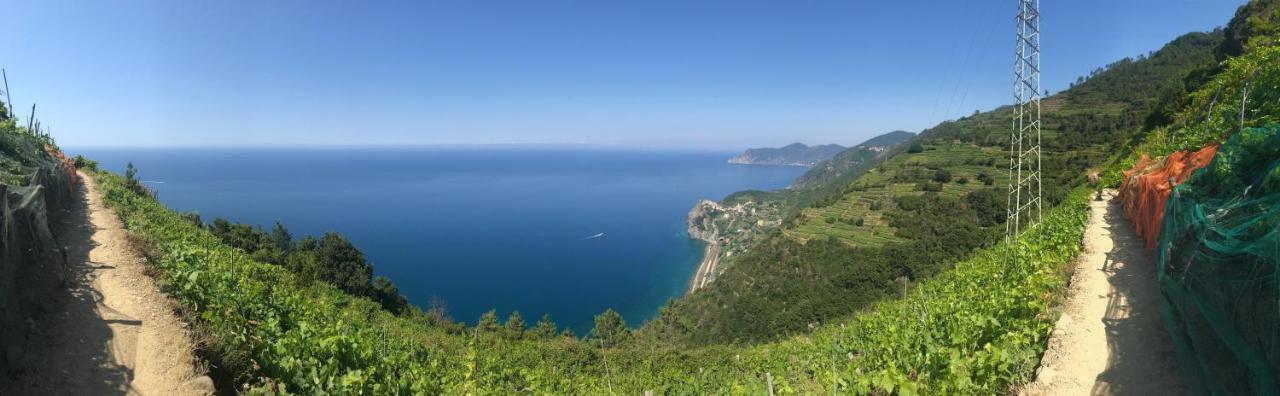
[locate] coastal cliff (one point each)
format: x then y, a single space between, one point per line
732 226
701 220
728 228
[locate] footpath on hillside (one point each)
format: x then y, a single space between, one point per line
1110 339
110 330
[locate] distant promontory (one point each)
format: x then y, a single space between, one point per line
795 154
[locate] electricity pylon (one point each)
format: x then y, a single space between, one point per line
1024 143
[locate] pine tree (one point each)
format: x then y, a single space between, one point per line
488 321
515 326
131 178
610 329
282 238
545 329
386 293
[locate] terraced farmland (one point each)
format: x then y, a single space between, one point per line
858 218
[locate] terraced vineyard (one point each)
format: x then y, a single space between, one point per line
932 203
858 218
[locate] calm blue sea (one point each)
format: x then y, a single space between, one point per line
564 231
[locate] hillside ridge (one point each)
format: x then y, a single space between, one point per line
851 241
795 154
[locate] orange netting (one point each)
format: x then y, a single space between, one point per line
1146 188
68 167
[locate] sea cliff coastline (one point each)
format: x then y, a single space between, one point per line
702 227
728 229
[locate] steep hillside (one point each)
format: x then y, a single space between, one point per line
1213 226
744 219
36 185
1255 25
795 154
850 163
927 206
1083 126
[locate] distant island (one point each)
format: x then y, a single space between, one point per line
795 154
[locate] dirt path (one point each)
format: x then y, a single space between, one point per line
111 331
1110 339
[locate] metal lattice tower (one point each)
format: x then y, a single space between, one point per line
1024 143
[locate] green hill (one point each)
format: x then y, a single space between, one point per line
851 162
795 154
914 300
928 206
744 219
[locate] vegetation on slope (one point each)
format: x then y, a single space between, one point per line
746 218
329 258
849 164
1255 25
977 326
925 207
1217 245
22 152
284 335
36 187
276 332
1246 78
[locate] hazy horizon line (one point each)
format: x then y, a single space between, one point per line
513 145
548 145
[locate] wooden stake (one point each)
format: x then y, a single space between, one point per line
768 381
1209 114
8 98
1244 99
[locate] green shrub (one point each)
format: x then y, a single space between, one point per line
942 176
84 163
928 186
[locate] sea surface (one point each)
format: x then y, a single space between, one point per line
563 231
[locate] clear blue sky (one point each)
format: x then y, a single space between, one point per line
684 73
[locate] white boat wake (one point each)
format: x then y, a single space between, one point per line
594 236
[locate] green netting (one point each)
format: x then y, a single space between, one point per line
36 184
1219 257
